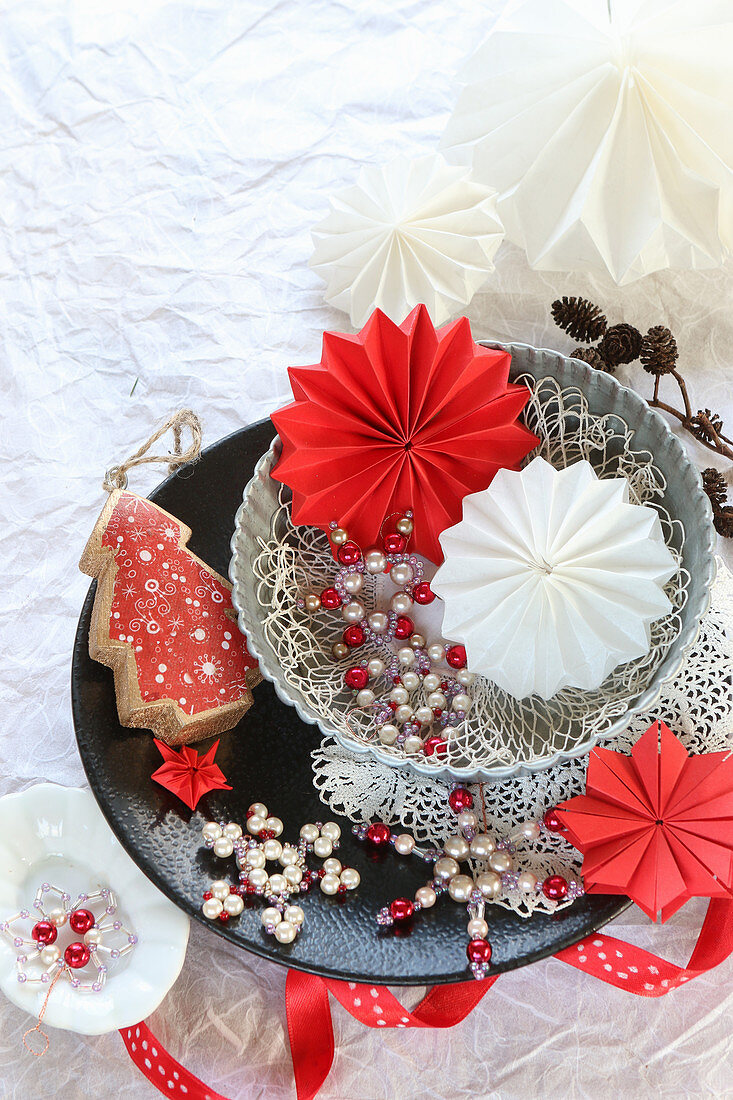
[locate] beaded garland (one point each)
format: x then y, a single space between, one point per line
422 706
282 918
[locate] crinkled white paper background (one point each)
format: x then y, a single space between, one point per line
161 165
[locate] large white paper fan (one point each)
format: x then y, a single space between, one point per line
408 232
608 137
552 578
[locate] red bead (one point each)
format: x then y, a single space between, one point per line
438 713
479 951
404 627
266 834
349 553
456 656
423 593
224 916
395 543
81 920
330 599
401 909
77 955
378 833
435 745
354 636
460 799
356 678
552 822
44 932
555 888
207 895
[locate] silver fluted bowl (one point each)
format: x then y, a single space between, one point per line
684 499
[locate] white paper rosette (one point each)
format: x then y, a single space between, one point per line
608 138
552 578
411 231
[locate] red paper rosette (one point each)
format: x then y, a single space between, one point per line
398 417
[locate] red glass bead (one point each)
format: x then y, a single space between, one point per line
438 713
378 833
81 920
354 636
208 895
395 543
555 888
456 656
349 553
423 593
330 599
552 822
460 799
435 745
224 916
266 834
401 909
77 955
479 951
404 627
356 678
44 932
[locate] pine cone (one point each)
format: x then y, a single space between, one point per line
723 522
593 358
659 351
621 344
701 424
715 486
580 319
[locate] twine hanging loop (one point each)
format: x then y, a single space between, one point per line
116 476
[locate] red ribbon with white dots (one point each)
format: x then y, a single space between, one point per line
309 1014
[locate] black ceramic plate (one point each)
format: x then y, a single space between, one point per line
267 758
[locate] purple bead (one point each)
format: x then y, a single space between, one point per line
117 925
96 987
132 939
45 978
110 910
17 942
114 953
45 887
22 978
24 914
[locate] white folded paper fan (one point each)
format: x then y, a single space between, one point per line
410 231
608 136
552 578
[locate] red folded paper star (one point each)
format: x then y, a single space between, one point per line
397 417
657 826
188 775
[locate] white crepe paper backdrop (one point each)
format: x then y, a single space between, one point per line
161 170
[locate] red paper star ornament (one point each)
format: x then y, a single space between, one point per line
189 775
398 417
657 826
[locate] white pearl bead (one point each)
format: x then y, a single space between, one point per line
258 877
500 861
530 830
211 830
219 889
413 744
338 536
424 715
466 819
426 896
436 652
482 845
353 612
527 882
460 887
375 561
233 905
322 847
437 700
332 866
375 667
211 908
402 573
286 932
259 809
477 928
255 857
353 583
232 830
388 733
365 698
255 824
431 682
223 847
288 856
410 680
445 868
275 825
403 714
50 953
404 525
278 884
272 849
58 916
457 847
401 603
489 884
417 641
294 915
464 677
330 884
404 843
350 878
406 656
331 830
308 833
93 937
378 622
462 702
399 695
293 874
271 916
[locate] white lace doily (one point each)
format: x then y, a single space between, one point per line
499 730
697 705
